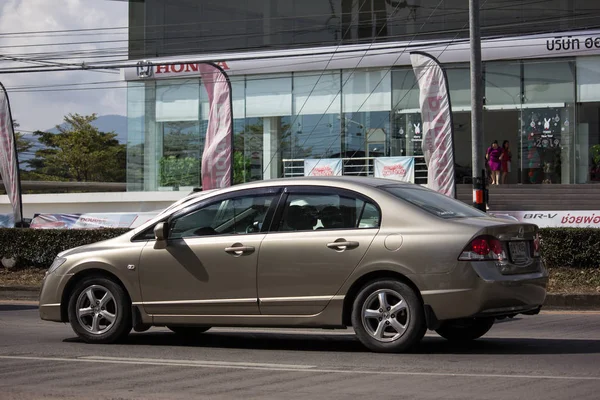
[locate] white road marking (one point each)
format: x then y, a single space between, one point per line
199 362
292 368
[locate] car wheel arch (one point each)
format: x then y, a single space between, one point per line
78 277
364 280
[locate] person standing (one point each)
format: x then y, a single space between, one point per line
493 157
505 159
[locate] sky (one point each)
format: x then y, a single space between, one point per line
37 103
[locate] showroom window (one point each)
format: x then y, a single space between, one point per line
366 108
315 131
177 122
547 121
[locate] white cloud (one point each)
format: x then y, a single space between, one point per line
37 109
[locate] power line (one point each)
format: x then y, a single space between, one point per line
387 49
517 5
108 54
223 37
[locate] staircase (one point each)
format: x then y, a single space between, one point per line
537 197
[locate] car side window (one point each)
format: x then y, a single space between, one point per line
241 215
308 212
370 217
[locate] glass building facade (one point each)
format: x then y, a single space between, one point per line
548 108
159 28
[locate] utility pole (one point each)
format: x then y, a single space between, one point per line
476 107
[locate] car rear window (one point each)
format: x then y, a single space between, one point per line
433 202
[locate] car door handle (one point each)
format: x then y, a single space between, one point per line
342 245
238 250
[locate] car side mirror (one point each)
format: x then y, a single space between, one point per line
160 231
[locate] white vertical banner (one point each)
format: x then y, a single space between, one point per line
438 135
217 158
397 168
9 163
323 167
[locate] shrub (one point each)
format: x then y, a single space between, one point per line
38 247
571 247
561 247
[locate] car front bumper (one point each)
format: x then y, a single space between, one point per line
51 296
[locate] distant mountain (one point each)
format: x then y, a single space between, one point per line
104 123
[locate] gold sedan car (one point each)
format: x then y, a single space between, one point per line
389 259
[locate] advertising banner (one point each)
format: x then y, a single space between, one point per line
438 135
323 167
217 168
9 163
553 219
398 168
91 220
7 221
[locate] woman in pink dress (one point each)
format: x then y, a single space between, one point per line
493 157
505 159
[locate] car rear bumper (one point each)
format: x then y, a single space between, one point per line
488 293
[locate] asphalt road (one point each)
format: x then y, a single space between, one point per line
555 355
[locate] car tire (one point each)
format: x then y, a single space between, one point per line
464 330
189 331
107 321
388 316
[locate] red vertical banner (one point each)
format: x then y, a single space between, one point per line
9 163
438 129
217 170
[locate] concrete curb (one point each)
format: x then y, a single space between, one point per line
553 300
19 293
572 301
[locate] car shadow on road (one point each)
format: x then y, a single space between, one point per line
349 343
17 307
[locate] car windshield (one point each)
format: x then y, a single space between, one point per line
434 202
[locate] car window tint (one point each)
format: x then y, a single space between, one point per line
227 217
307 212
434 202
370 217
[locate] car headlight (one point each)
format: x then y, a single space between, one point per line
58 261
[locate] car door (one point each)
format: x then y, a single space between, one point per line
207 265
319 236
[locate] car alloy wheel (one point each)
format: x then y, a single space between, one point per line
385 315
100 310
388 316
96 309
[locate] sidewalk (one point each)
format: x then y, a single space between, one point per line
553 301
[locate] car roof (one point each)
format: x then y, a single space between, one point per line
322 180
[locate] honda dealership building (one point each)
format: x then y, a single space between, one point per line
332 79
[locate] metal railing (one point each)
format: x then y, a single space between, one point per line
357 166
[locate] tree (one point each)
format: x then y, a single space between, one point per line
79 152
23 143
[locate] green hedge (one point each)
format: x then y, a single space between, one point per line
561 247
571 247
38 247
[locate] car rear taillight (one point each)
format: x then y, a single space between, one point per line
483 248
536 245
